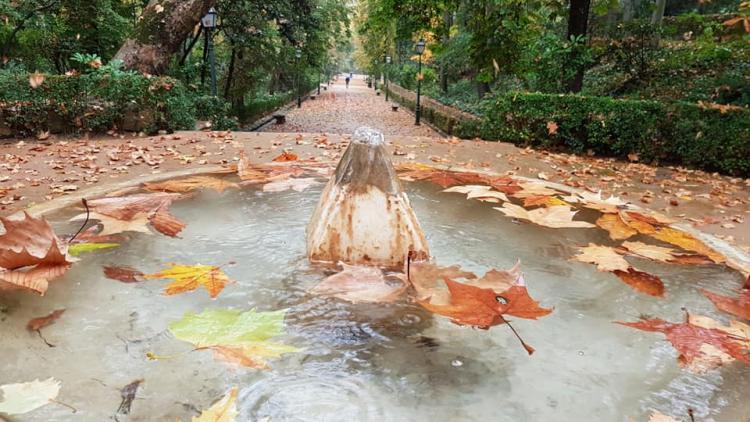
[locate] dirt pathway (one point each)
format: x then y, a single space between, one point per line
341 110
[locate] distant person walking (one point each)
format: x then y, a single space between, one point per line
347 82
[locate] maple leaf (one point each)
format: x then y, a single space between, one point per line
616 226
481 192
554 217
359 284
31 255
536 188
36 324
36 79
543 201
224 410
286 156
469 305
641 281
505 184
739 306
234 334
552 128
190 184
187 278
604 257
24 397
689 339
134 213
657 253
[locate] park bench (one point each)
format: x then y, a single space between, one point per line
280 118
394 107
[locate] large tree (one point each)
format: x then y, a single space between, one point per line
578 25
161 29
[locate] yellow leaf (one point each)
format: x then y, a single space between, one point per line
190 184
617 228
224 410
605 258
189 277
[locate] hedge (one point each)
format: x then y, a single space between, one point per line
257 107
677 133
93 103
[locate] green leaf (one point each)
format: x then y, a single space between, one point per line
79 248
25 397
228 327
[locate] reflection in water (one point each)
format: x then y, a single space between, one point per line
369 362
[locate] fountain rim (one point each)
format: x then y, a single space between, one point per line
737 258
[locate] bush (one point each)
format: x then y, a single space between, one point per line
93 102
257 107
217 111
678 133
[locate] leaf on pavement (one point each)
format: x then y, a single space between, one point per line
190 184
616 226
241 334
361 284
556 217
124 274
25 397
186 278
38 323
247 172
224 410
286 156
79 248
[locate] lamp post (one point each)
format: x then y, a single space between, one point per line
209 24
387 69
419 48
297 56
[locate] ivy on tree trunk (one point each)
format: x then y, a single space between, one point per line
160 31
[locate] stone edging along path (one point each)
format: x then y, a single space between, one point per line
736 258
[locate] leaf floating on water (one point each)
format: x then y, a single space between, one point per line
165 223
38 323
543 201
224 410
595 201
234 334
642 282
128 395
298 185
657 253
361 284
605 258
79 248
739 306
700 341
124 274
468 305
556 217
135 212
481 192
286 156
25 397
660 417
187 278
616 226
190 184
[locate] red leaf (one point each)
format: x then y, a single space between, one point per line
124 274
739 306
520 304
688 339
643 282
41 322
469 305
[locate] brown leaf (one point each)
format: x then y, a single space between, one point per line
124 274
36 79
190 184
738 306
247 172
361 284
165 223
40 322
30 241
286 156
36 278
642 282
556 217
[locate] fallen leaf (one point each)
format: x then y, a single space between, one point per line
187 278
616 226
166 223
555 217
25 397
552 128
543 201
469 305
595 201
642 282
124 274
127 395
537 188
657 253
660 417
361 284
36 79
604 257
247 333
79 248
134 213
190 184
689 338
739 306
224 410
247 172
480 192
286 156
36 324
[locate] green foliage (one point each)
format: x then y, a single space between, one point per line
215 110
94 102
406 76
258 106
555 61
677 133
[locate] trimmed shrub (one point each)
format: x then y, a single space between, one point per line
93 103
217 111
257 107
678 133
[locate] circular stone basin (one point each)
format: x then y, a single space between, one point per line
366 362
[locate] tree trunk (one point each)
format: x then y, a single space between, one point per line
578 23
658 14
159 33
448 22
628 10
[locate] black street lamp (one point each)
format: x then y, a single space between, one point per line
209 23
297 56
387 69
419 48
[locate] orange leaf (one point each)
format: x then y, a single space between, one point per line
190 184
286 156
38 323
189 277
739 306
642 282
617 228
469 305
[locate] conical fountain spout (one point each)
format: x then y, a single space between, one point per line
364 217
